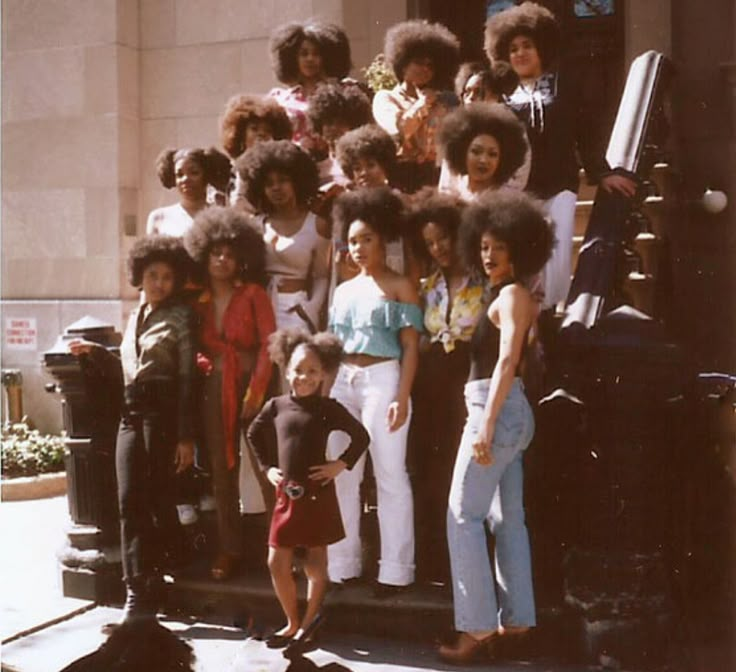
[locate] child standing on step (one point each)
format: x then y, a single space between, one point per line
289 437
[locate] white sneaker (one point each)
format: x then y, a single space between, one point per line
187 514
207 503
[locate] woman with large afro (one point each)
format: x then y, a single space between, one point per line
191 171
335 109
155 436
424 57
528 37
451 298
505 236
377 317
235 320
281 179
247 120
305 55
484 145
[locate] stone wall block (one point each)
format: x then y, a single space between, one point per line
128 153
92 278
234 20
82 153
188 81
128 94
128 22
102 220
43 83
157 24
101 79
40 24
255 80
43 223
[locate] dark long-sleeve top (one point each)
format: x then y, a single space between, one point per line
291 433
247 323
557 126
158 347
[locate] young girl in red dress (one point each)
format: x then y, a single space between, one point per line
289 437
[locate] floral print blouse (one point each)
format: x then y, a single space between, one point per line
464 314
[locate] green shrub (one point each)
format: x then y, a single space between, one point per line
379 75
27 452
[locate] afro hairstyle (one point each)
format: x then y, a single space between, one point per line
366 142
245 109
429 205
287 39
511 217
215 226
379 207
327 347
416 39
529 19
499 78
158 248
282 156
463 124
215 166
338 103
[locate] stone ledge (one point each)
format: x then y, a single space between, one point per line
34 487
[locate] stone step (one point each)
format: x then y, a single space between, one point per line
646 246
653 208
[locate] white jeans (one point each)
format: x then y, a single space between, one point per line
367 392
557 272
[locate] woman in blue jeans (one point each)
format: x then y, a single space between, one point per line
506 237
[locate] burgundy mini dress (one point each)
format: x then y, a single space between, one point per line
291 433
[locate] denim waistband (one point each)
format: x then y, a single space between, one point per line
372 372
477 390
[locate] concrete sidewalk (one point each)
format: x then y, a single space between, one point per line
32 532
222 649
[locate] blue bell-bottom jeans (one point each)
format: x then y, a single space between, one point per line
482 600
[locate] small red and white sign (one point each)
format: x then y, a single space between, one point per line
21 333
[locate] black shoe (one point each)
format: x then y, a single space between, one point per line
279 641
382 591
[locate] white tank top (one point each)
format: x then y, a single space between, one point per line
290 257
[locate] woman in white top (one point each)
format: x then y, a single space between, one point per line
190 171
280 180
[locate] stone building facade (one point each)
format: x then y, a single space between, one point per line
92 90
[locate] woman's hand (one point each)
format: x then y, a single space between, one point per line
398 411
184 456
81 347
623 185
482 452
274 476
327 471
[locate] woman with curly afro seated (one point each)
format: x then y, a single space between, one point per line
484 144
559 128
377 317
281 180
155 436
305 55
424 57
235 322
505 236
249 119
191 171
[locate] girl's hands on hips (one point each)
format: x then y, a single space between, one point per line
184 456
275 476
327 471
398 411
482 453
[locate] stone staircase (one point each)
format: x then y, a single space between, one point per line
647 244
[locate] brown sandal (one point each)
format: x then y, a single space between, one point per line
467 649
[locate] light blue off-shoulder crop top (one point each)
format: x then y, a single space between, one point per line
371 325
